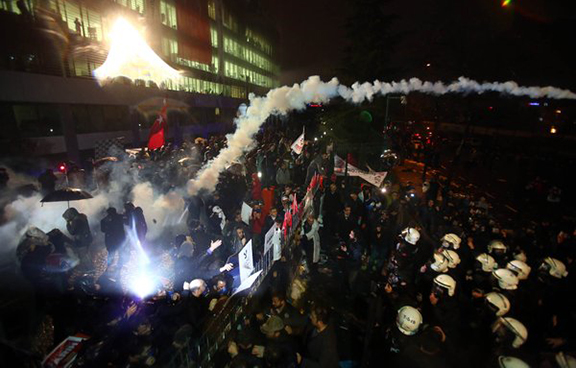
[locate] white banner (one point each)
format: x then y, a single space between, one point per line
277 245
269 237
246 213
245 262
298 144
340 167
373 177
248 282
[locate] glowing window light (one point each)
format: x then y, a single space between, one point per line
131 57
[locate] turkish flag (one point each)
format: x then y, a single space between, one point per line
156 136
294 204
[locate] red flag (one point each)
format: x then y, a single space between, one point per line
321 182
294 204
156 137
288 218
313 182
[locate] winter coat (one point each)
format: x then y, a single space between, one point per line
78 227
282 176
321 351
113 228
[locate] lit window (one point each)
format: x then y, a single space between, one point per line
212 9
12 6
169 48
137 5
214 36
168 14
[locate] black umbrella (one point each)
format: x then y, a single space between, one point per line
66 195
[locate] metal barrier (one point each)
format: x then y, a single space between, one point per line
200 352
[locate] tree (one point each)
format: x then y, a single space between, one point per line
370 42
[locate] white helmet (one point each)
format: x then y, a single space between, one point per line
514 326
511 362
521 256
555 267
452 257
408 320
487 262
440 263
498 302
451 241
507 280
565 360
446 282
521 269
410 235
496 245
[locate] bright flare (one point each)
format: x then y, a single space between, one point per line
131 57
505 3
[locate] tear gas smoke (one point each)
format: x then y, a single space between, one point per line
22 212
280 101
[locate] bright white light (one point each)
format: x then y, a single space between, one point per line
51 130
259 174
428 65
383 190
315 139
131 57
140 279
143 285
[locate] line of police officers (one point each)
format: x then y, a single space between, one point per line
471 307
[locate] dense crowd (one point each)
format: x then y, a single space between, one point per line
447 281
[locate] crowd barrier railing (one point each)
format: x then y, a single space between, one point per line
201 352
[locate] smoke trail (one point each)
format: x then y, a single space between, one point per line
281 100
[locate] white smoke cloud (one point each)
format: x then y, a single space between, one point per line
161 211
282 100
24 212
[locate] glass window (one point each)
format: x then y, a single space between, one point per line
94 25
12 6
169 48
137 5
168 14
214 36
212 9
37 120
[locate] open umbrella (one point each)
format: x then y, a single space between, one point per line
66 195
103 160
154 105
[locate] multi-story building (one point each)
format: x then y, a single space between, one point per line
51 103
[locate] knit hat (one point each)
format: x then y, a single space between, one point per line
273 324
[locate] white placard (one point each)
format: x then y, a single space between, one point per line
248 282
276 243
246 213
268 238
245 262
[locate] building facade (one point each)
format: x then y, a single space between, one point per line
50 102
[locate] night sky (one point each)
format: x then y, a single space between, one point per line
531 41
